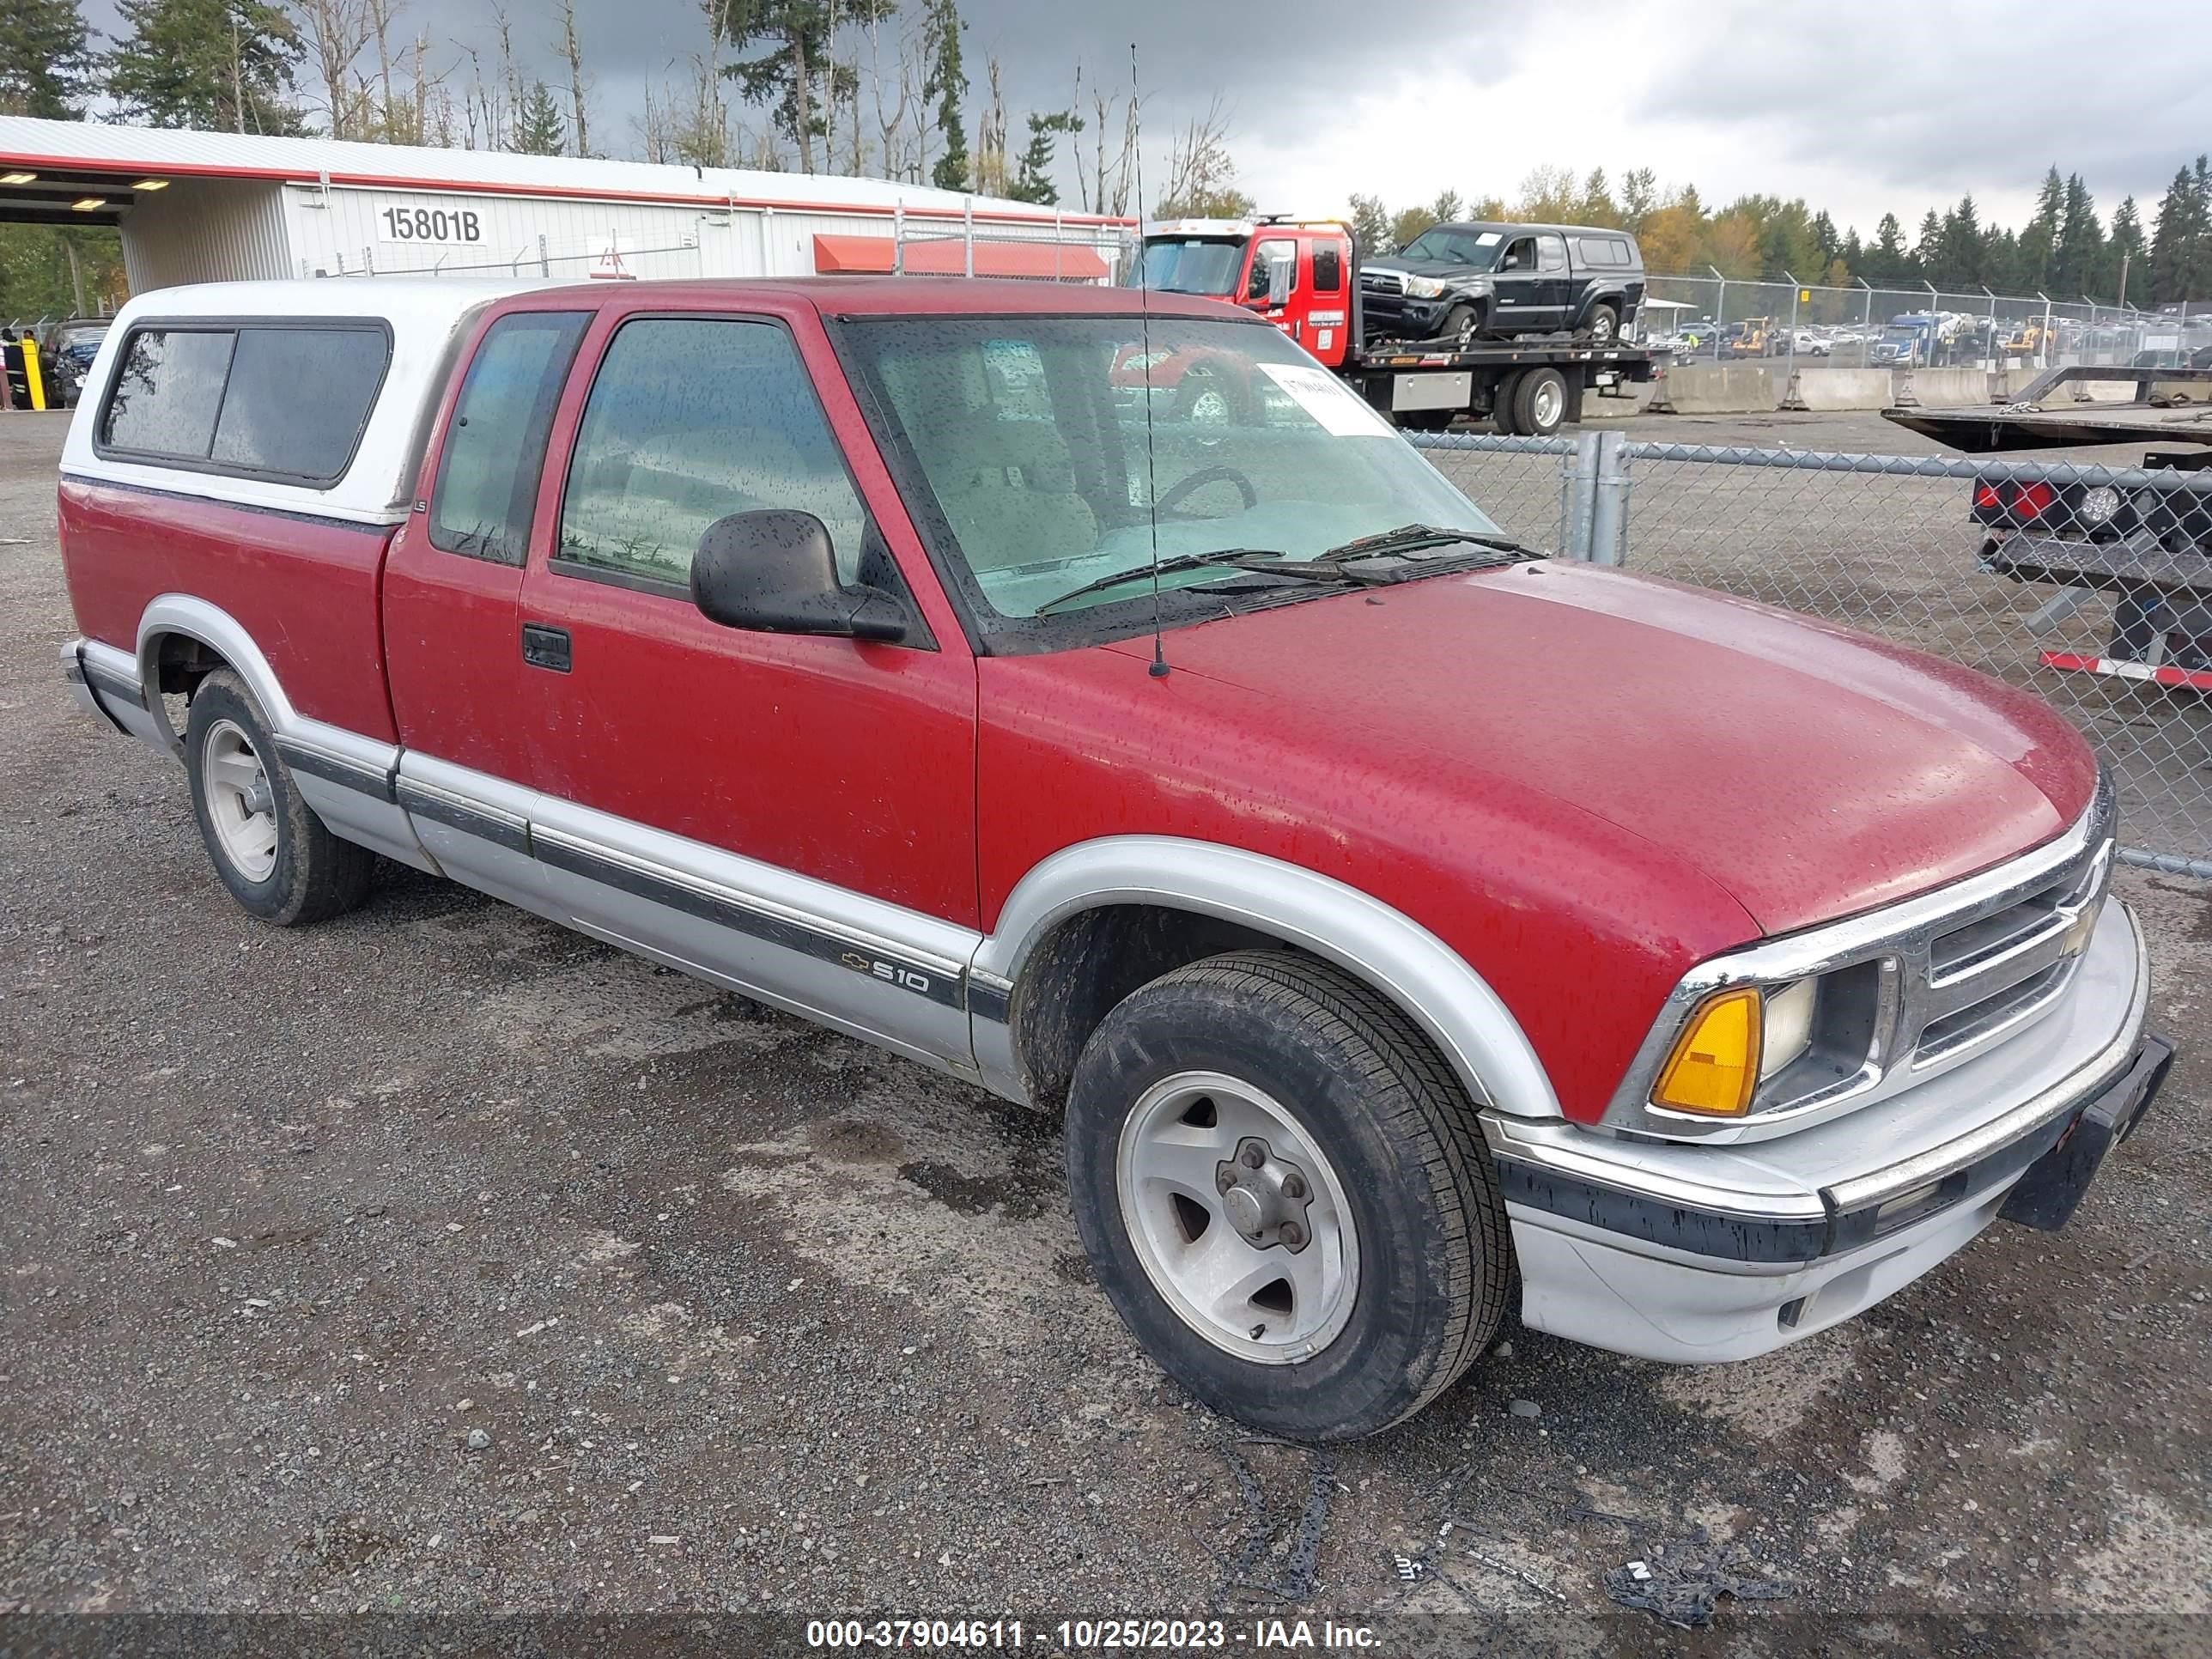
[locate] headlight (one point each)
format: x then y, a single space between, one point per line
1787 1030
1732 1042
2098 505
1424 288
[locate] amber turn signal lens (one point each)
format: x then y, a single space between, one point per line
1715 1065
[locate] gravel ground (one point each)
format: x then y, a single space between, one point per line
437 1259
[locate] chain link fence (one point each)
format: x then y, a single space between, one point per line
611 257
1718 319
2093 590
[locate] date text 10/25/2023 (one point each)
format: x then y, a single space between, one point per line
1091 1635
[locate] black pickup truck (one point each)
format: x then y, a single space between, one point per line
1469 282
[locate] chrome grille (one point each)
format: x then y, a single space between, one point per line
1382 282
1996 970
1955 972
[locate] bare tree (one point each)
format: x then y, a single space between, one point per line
1202 178
989 173
337 33
572 51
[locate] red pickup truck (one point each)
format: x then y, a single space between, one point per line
1404 924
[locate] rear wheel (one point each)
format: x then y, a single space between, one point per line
275 855
1604 324
1287 1195
1540 402
1501 404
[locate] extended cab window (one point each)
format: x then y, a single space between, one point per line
1551 254
1327 269
690 420
488 474
286 401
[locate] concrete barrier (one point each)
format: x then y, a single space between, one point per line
1721 389
1944 388
1839 388
2007 383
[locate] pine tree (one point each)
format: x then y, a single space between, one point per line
1926 263
2041 234
1033 177
2077 258
946 82
796 76
217 65
1961 248
1887 262
48 68
2179 225
538 128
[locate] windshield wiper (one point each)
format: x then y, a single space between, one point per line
1407 537
1244 558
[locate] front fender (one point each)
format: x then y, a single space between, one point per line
1471 1026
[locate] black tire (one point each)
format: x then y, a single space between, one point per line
1463 322
1434 1255
1206 399
1426 420
315 875
1540 402
1501 404
1602 325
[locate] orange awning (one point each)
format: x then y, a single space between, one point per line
854 256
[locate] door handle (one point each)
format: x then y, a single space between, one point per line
546 647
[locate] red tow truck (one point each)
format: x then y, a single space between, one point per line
1302 275
859 647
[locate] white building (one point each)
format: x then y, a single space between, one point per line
197 207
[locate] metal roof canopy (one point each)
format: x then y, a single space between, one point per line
91 158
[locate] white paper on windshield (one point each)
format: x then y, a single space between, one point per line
1487 238
1341 411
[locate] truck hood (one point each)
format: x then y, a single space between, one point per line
1448 271
1808 771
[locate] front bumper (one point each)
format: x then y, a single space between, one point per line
1696 1254
1400 316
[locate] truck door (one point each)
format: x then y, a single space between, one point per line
1555 282
1328 300
1519 289
451 583
792 815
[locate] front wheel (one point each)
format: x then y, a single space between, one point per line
1285 1195
1460 325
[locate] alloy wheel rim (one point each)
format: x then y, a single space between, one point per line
240 804
1237 1217
1549 405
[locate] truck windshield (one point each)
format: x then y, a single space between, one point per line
1900 336
1031 434
1477 248
1190 265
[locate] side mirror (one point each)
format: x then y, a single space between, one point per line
1278 281
773 572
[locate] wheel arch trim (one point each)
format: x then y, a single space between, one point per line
1468 1022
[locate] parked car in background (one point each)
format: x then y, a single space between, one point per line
66 354
1466 281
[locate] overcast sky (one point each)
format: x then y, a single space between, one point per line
1859 105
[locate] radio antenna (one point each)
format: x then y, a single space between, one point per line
1159 666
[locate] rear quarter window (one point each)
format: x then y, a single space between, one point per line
286 401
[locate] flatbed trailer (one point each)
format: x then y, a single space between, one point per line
2146 544
1528 385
